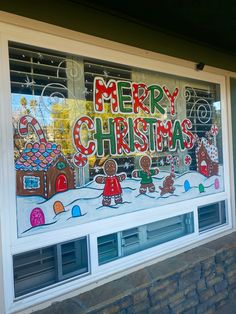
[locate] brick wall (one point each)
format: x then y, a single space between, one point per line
197 281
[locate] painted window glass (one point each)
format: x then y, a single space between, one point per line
31 182
106 139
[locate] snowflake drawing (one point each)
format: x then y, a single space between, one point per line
29 83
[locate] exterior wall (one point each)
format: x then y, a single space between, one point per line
233 115
74 16
196 282
171 279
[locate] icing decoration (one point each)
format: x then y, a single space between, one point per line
36 157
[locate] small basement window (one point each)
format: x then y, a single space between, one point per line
46 266
137 239
108 248
212 215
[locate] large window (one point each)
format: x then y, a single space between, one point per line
106 139
117 161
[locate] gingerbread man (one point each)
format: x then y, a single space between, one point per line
168 185
146 175
112 181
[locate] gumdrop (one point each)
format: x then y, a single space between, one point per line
217 184
186 185
76 212
58 207
201 188
37 217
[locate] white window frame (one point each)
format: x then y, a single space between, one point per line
95 48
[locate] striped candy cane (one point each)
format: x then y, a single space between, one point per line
23 127
172 160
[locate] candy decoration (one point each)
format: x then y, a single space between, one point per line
217 184
171 97
23 127
58 207
186 186
201 188
214 130
37 217
171 160
187 160
80 160
76 211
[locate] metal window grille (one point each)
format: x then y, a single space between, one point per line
211 215
43 267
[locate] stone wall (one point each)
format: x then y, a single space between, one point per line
197 281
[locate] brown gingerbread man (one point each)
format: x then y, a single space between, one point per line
112 187
146 175
168 185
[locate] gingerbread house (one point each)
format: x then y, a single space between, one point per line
43 170
207 158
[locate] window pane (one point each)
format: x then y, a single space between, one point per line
212 215
143 237
43 267
107 248
34 270
105 139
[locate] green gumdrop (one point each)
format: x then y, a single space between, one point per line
201 188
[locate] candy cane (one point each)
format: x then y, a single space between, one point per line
187 160
23 127
171 160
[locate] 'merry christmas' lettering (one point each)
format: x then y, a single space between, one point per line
127 97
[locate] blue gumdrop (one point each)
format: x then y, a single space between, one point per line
186 185
76 212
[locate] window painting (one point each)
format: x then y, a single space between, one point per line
31 182
105 139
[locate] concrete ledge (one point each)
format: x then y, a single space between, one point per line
198 281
